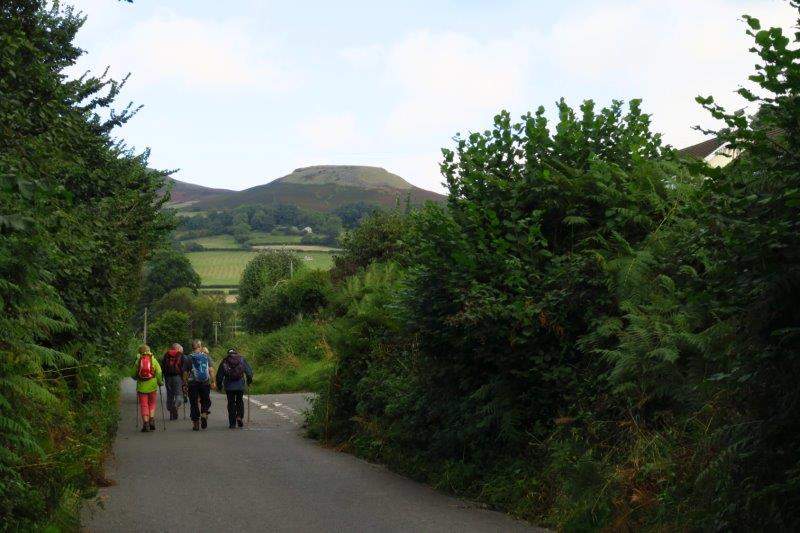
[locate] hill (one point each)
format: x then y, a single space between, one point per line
188 193
324 188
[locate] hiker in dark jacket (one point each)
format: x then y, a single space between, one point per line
232 375
172 367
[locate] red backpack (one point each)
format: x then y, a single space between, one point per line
174 363
146 370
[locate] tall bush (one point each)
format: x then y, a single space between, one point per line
303 294
264 271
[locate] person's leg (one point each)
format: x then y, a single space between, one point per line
152 399
239 407
144 408
169 385
231 395
205 403
178 387
194 397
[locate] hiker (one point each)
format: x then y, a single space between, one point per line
172 366
198 374
147 374
232 374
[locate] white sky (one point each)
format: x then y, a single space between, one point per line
238 93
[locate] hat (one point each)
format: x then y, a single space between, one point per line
232 351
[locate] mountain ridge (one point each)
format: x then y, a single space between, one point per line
318 187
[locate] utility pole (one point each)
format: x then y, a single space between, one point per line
216 339
145 326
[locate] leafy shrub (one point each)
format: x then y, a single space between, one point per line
170 326
304 293
264 271
369 321
377 238
167 270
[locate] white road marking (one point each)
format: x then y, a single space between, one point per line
275 411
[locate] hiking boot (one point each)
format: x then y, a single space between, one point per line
145 428
152 425
239 422
231 426
204 422
195 425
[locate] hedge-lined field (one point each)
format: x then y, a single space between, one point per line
225 267
257 238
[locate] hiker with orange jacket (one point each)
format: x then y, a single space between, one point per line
147 373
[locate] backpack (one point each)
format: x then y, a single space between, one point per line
233 367
146 370
200 367
174 365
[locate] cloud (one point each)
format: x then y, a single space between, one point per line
364 57
196 53
665 52
449 79
328 133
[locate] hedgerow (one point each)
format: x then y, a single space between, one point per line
596 333
78 216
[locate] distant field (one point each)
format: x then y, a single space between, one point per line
225 267
259 238
217 241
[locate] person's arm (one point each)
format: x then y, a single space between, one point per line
135 374
220 375
212 372
159 375
185 366
248 371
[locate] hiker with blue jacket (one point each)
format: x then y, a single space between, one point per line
198 374
233 374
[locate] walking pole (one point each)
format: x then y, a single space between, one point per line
247 390
163 418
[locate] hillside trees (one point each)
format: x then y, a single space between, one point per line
202 311
79 213
168 269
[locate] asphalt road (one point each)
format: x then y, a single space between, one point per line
263 478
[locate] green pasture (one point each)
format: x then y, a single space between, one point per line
225 267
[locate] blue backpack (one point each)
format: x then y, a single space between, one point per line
200 367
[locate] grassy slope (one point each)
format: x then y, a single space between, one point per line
295 358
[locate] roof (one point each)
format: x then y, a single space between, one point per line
703 149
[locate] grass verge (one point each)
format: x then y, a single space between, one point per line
295 358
